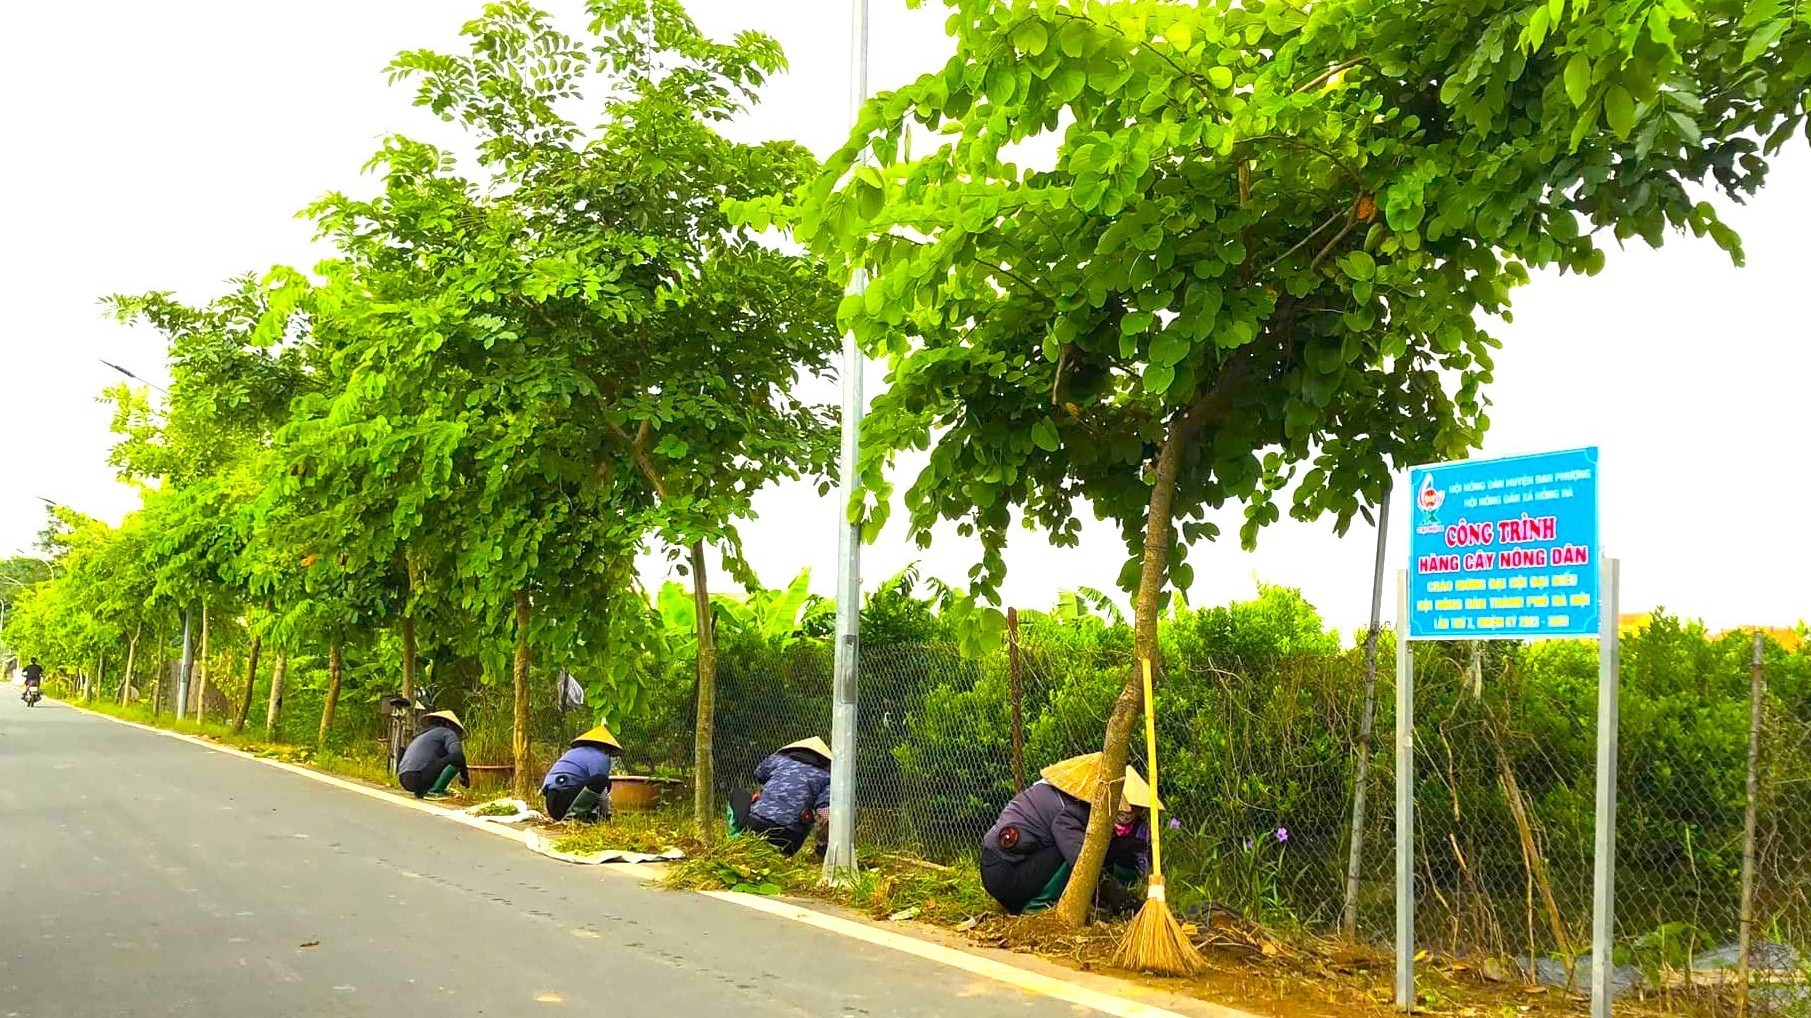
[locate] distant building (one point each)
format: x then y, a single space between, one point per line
1789 639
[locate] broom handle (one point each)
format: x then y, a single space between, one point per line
1150 752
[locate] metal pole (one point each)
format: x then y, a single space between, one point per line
1603 888
1757 692
1016 665
839 854
1361 781
188 666
1405 801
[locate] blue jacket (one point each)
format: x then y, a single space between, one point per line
790 790
577 766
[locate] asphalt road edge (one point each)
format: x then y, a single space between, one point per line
1040 983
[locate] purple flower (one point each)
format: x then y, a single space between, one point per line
1282 834
1249 844
1175 824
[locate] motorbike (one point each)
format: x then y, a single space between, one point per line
31 696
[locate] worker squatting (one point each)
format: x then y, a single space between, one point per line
1523 530
1026 857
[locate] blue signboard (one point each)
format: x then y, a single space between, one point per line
1505 549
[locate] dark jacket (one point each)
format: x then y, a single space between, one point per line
438 744
1039 817
791 789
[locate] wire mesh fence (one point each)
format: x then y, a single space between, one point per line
1261 750
1260 725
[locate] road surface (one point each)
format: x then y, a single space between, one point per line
145 876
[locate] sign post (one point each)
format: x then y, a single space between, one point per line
1507 549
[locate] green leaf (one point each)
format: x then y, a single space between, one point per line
1030 37
1763 38
1179 35
1578 78
1044 435
1688 128
1169 348
1158 378
1359 265
1136 323
1220 77
1536 32
1619 110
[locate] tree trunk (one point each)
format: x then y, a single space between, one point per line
408 658
251 681
100 666
1078 896
125 682
162 673
275 711
523 782
335 666
201 671
409 663
703 758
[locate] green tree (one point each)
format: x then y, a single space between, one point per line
582 329
1262 250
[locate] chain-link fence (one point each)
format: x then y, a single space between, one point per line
1260 744
1259 723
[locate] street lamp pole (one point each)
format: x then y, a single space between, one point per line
839 856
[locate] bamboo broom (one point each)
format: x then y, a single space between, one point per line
1155 941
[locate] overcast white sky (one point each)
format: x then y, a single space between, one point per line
168 146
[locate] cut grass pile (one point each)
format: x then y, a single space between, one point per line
652 833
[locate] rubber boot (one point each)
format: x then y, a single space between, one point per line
442 783
586 806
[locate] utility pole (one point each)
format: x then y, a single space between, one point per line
188 665
839 855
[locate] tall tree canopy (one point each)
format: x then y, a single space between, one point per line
542 367
1260 261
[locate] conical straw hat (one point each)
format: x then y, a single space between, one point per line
1137 792
812 745
1078 776
600 736
1075 776
449 717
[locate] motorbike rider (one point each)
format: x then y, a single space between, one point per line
34 678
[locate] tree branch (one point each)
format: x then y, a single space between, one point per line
1304 242
1345 65
1351 223
638 454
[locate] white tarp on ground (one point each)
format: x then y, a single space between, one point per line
520 812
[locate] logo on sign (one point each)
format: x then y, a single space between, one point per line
1428 500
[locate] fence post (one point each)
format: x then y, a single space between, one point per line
1348 923
1757 691
1609 705
1018 699
1405 801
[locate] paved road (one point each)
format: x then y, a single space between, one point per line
144 876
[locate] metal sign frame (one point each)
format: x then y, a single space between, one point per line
1603 896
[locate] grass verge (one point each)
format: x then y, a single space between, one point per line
361 767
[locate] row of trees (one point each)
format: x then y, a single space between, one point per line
509 380
1253 268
